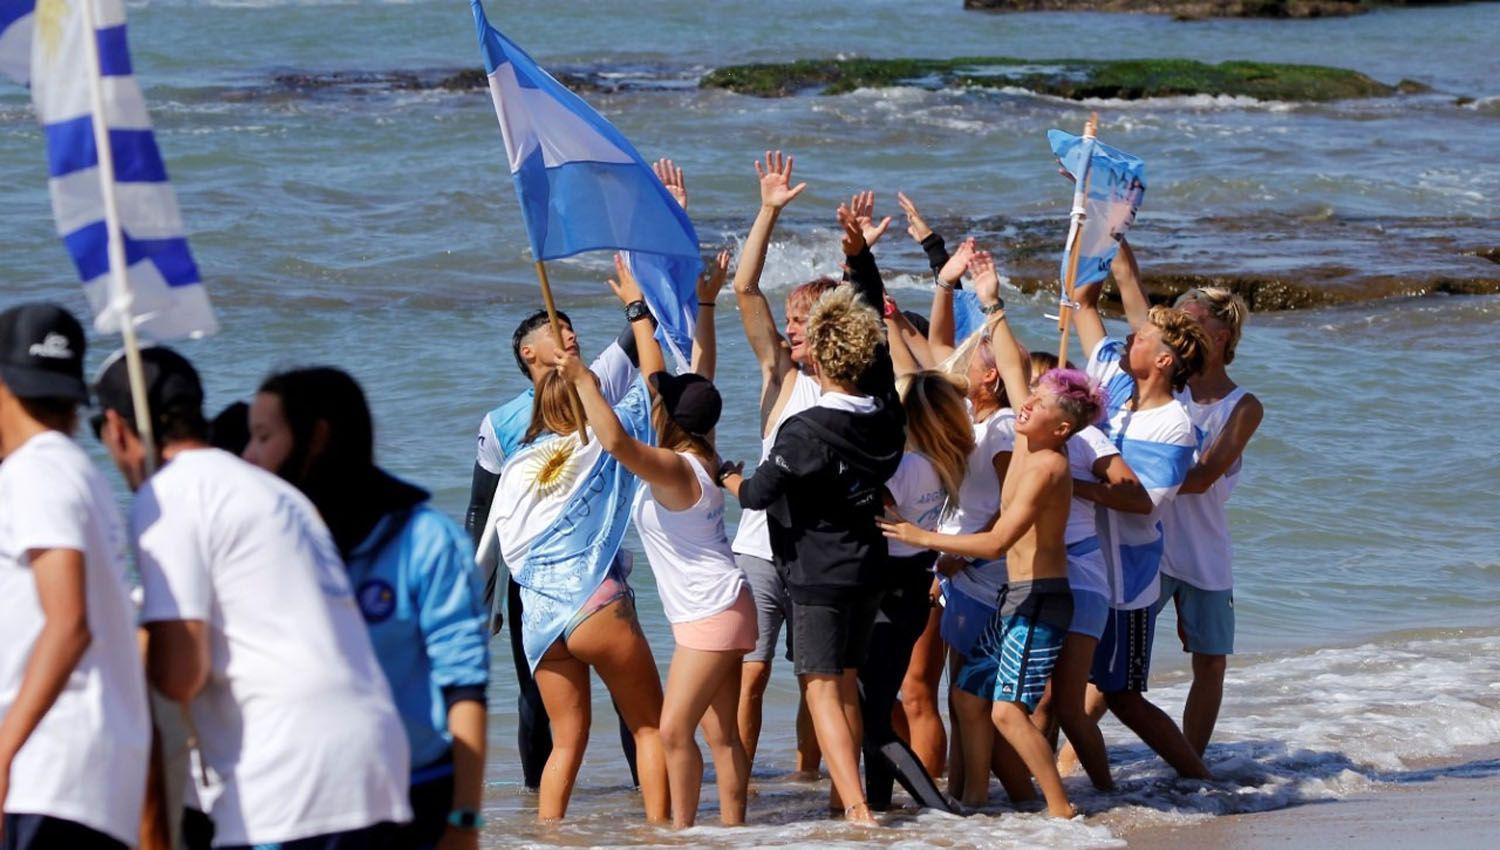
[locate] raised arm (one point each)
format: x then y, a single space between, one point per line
1013 366
770 350
671 177
1086 318
1228 448
705 336
1128 278
667 474
940 333
1120 490
898 332
862 272
1012 524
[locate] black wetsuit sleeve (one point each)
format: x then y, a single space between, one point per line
879 380
626 341
937 256
481 493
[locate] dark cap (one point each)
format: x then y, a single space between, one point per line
41 353
691 400
171 383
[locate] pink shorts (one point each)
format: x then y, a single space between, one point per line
732 629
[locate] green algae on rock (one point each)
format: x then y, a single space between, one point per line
1076 79
1200 9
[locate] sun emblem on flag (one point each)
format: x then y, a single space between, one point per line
553 470
50 16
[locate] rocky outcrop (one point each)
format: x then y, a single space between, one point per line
1201 9
1129 79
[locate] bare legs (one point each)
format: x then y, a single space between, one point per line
1066 704
754 677
611 642
833 703
1014 723
1204 698
704 686
919 699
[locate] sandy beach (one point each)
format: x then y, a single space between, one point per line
1452 806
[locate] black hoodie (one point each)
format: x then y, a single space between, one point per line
822 484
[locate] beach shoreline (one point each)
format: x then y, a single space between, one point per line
1456 804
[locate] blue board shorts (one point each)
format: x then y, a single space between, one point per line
964 618
1123 660
1015 656
1205 618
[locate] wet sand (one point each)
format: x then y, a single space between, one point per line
1454 807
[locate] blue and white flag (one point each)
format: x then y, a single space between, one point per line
1116 184
166 298
583 187
559 515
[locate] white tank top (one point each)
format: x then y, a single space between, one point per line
753 537
1196 525
696 576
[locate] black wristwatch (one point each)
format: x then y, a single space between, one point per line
637 310
992 309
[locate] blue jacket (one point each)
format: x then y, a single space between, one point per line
417 588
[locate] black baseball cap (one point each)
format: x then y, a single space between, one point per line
41 353
691 400
171 383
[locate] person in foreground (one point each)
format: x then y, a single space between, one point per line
1154 434
251 621
560 513
1013 661
680 518
75 733
414 579
821 488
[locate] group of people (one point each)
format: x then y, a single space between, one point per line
921 502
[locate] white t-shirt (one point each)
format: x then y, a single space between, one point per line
918 493
1158 445
689 553
1084 450
1198 549
296 723
753 537
979 500
86 760
1087 569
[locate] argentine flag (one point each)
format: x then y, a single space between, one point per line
559 516
46 43
583 186
1116 185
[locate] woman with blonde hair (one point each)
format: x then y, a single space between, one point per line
560 513
938 444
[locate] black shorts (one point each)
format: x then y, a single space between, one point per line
833 637
44 832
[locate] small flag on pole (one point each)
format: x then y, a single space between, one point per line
583 187
164 295
1116 184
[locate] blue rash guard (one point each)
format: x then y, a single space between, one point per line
415 582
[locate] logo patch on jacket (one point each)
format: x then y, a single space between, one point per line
377 600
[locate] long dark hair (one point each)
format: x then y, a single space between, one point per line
338 472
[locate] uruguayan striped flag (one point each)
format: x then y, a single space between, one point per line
583 186
559 516
1116 185
166 297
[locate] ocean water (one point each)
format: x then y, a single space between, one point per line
375 228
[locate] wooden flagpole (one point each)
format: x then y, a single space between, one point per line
541 276
1075 234
121 301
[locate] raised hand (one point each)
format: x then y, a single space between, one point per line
862 204
712 281
986 278
915 224
671 177
623 283
958 263
776 189
568 364
853 236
